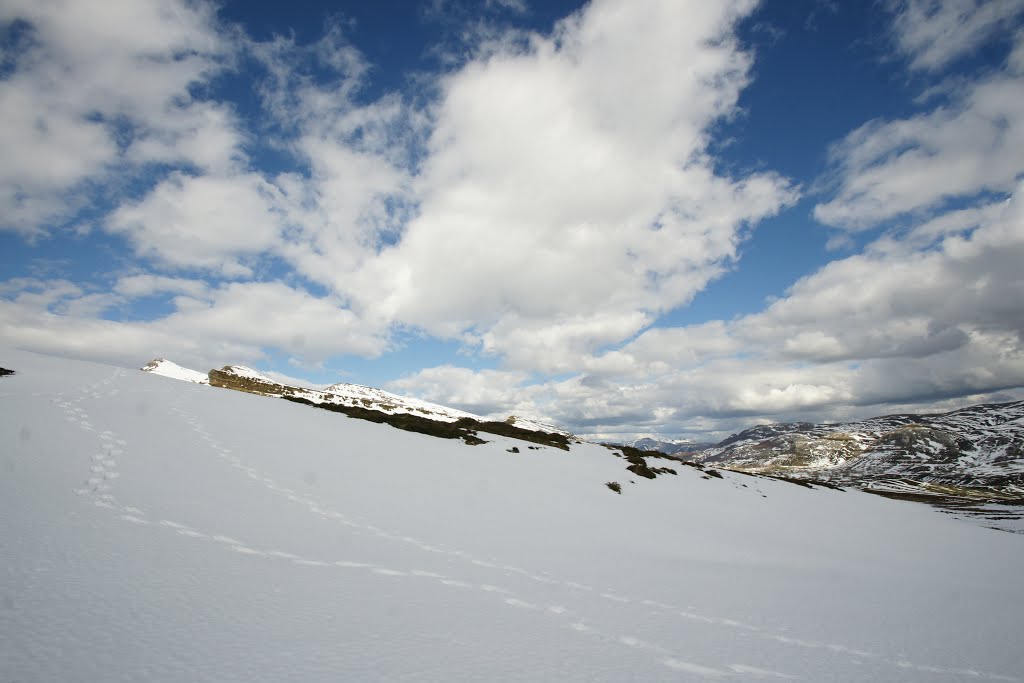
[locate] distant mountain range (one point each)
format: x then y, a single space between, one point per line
680 447
973 453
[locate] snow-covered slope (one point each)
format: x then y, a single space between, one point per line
538 426
165 368
378 399
161 531
246 379
247 373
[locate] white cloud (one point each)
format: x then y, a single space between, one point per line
906 325
352 193
975 144
146 284
209 222
490 393
519 6
234 323
552 346
90 81
933 33
567 191
203 135
564 201
41 294
274 315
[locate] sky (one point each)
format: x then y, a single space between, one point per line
670 217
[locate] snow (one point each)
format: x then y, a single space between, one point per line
159 530
537 426
377 399
983 440
166 368
247 373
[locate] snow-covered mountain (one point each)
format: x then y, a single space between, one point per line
165 368
669 447
974 452
162 531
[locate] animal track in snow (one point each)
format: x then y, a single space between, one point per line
509 598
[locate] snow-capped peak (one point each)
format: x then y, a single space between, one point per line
165 368
246 372
535 425
385 401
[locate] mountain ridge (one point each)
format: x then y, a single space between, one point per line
974 452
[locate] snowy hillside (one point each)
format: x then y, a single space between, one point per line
353 395
165 368
162 531
976 451
537 426
377 399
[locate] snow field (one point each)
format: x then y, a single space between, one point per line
169 531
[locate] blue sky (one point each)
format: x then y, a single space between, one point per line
629 218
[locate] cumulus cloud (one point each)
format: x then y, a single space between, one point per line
206 222
92 86
572 176
147 284
888 169
232 323
274 315
933 33
491 393
906 323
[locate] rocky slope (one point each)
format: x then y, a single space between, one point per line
975 452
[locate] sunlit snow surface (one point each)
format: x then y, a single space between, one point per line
155 530
166 368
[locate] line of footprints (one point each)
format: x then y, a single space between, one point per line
99 488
